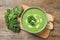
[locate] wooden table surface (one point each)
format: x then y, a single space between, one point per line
50 6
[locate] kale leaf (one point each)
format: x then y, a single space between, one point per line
31 20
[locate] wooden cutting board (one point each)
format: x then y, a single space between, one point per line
43 34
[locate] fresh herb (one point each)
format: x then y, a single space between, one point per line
11 18
31 20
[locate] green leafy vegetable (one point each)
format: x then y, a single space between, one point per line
11 18
31 20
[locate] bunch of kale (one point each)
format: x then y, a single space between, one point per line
11 18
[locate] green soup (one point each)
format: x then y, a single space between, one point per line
33 20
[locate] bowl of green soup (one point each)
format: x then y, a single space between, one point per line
33 20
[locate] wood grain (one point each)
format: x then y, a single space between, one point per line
50 6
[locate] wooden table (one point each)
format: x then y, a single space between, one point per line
50 6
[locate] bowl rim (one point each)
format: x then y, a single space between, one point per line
31 8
